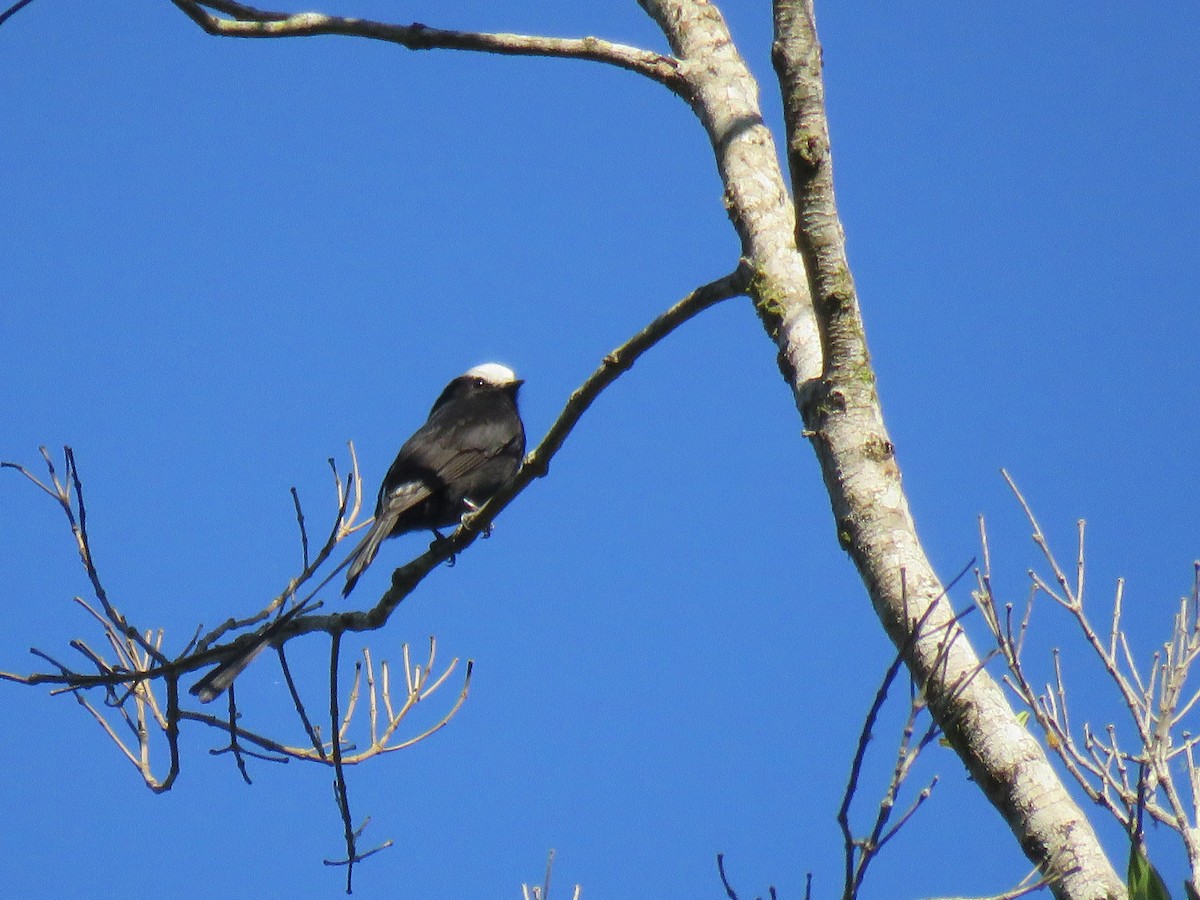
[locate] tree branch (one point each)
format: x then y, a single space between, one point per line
248 22
298 620
537 463
845 420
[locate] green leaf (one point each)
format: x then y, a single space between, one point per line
1144 881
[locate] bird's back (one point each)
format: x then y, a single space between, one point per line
467 449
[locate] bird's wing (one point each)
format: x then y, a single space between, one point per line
453 442
448 447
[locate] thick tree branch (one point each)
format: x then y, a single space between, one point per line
248 22
845 420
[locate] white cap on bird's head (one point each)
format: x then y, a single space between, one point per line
493 373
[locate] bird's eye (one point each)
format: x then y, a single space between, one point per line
479 382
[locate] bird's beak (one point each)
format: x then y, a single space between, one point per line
517 383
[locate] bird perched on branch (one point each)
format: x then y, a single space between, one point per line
469 448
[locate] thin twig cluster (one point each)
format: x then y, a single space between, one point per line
139 683
860 852
1153 770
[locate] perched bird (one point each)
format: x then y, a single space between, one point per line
470 447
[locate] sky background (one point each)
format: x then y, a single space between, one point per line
220 260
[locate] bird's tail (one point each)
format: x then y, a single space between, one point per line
392 506
364 554
216 682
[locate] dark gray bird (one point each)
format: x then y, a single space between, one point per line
470 447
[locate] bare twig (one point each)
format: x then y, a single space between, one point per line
729 891
732 895
303 531
859 852
339 773
316 742
16 7
1155 700
345 523
1027 886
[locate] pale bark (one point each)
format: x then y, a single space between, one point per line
805 294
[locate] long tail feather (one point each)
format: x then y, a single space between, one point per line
364 553
399 501
216 682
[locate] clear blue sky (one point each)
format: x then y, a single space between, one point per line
222 260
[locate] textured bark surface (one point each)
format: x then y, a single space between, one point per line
805 295
724 95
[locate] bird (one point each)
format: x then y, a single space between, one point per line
471 445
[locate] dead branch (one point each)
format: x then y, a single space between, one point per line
248 22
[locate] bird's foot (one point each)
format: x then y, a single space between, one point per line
473 507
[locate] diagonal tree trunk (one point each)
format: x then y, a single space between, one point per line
805 296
